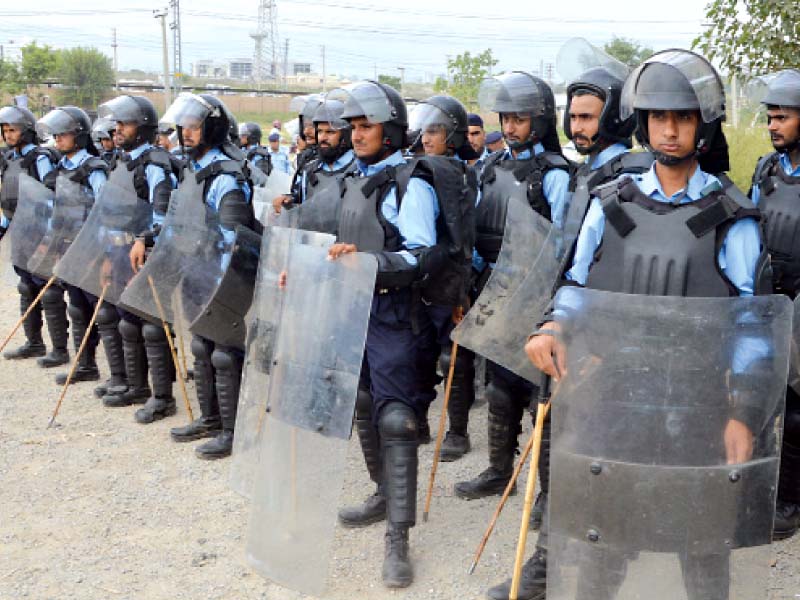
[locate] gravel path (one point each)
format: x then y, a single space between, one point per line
101 508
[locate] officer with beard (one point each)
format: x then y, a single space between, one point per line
776 183
133 345
18 128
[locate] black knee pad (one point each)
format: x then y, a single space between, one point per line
363 405
225 360
130 332
500 398
153 334
397 422
53 296
77 315
202 348
107 315
26 290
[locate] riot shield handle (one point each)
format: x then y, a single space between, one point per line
27 312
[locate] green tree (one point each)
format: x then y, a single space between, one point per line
752 36
87 76
38 63
390 80
627 51
464 75
10 78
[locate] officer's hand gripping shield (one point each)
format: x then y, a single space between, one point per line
519 289
263 322
30 223
665 445
71 206
191 244
99 255
312 390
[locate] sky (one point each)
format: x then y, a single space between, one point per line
362 38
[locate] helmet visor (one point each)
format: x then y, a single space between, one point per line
426 118
330 112
364 99
779 89
706 86
56 122
102 127
188 110
123 109
11 115
514 92
577 56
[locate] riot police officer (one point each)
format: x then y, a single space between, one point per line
527 115
477 139
678 216
776 183
71 129
443 126
103 137
18 128
250 142
203 125
402 236
133 345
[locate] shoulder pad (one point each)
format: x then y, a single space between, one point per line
611 188
221 167
763 166
95 163
733 192
636 162
158 157
552 160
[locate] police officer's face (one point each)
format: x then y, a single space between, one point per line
673 132
192 134
11 134
310 133
584 119
367 137
244 141
516 127
125 135
65 143
434 141
783 125
327 136
477 137
107 144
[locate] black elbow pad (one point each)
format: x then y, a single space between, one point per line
161 195
235 210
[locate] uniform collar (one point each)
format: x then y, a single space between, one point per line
700 184
786 163
340 163
26 149
252 147
80 157
394 159
607 155
212 155
525 154
139 150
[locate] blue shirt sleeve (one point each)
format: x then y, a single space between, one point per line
416 219
97 179
739 254
555 186
43 166
589 238
755 194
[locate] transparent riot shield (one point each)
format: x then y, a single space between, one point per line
262 321
278 184
315 370
666 439
501 318
30 223
100 253
794 363
190 243
71 206
9 190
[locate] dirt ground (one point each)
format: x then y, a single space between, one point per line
102 508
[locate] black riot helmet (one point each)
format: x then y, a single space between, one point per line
604 84
68 119
199 110
330 112
680 80
252 131
378 103
132 109
103 129
783 91
20 117
447 114
523 93
304 107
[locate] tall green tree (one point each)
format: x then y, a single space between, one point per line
464 75
38 63
87 76
627 51
391 80
10 78
752 36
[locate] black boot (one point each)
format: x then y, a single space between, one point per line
87 365
532 583
373 509
462 395
504 427
55 313
108 326
33 346
137 390
537 514
787 510
398 430
161 404
228 374
209 424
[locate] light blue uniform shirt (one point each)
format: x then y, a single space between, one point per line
786 164
607 155
478 166
737 257
280 160
340 163
257 158
419 209
154 176
97 179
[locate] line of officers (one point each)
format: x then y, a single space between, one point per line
423 195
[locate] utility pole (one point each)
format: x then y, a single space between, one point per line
324 74
286 63
402 81
116 64
177 58
162 14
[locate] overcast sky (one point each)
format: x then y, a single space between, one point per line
360 36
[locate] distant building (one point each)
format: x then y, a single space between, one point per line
240 68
